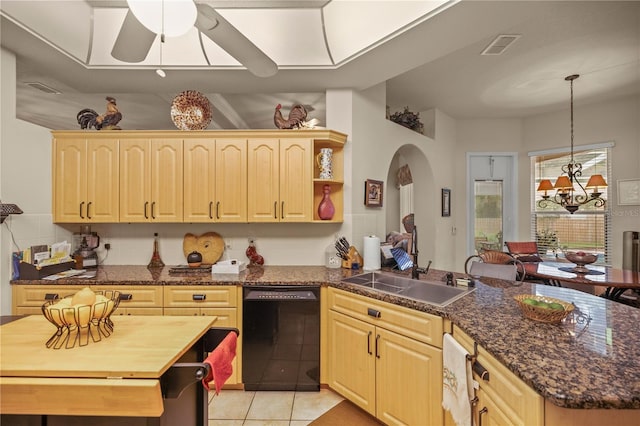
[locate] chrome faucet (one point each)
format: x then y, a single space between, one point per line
416 270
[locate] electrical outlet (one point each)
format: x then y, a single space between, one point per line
252 240
107 246
228 245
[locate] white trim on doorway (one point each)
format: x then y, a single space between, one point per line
511 197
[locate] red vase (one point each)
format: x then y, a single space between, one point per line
326 210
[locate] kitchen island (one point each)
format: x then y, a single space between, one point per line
126 375
591 362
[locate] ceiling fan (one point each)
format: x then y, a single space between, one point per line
135 38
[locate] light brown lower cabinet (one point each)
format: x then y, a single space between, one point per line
504 399
220 301
392 376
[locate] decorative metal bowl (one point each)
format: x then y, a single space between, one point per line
580 258
191 110
77 323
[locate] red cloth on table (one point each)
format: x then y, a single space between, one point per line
220 362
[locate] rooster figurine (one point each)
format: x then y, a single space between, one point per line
296 120
88 118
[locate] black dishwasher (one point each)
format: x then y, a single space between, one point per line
281 338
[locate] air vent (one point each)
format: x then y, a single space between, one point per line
43 87
500 44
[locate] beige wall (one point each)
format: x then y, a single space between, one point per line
617 121
437 162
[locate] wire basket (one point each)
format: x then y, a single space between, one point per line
542 313
76 324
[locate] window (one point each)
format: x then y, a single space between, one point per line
554 228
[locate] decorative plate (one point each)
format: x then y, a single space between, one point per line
191 110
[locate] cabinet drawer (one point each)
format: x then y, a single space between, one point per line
512 396
140 296
138 311
36 295
227 317
200 296
417 325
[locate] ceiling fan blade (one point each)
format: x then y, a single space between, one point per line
134 40
225 35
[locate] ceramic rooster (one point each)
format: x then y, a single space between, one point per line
297 118
88 118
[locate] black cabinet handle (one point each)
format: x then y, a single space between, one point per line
480 371
369 343
146 204
51 296
282 211
81 205
125 296
153 213
88 207
377 351
374 313
217 209
210 209
480 413
275 209
199 296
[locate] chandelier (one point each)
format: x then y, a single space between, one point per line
567 195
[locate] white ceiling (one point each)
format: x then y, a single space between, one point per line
426 61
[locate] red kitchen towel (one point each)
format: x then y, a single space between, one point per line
220 362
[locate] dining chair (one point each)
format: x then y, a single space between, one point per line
525 251
493 270
495 264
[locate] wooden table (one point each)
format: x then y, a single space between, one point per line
617 281
117 376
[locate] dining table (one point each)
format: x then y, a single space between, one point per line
616 281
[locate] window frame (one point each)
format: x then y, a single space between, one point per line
604 212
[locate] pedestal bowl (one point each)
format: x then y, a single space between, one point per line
580 258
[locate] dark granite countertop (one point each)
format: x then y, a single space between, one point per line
592 360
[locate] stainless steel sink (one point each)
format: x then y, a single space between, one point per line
432 292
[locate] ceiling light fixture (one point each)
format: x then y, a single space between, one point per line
566 194
169 17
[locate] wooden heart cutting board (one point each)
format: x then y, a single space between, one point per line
210 245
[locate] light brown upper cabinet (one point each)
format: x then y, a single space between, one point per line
85 180
224 176
231 180
199 180
215 180
280 181
151 180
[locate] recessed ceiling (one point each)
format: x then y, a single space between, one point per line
427 60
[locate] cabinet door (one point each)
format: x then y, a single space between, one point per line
166 180
231 180
296 183
70 180
490 415
103 197
351 360
408 381
263 191
135 177
199 180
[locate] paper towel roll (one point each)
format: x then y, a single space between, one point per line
371 257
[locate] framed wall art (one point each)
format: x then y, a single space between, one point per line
629 192
373 193
446 202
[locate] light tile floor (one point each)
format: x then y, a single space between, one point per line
247 408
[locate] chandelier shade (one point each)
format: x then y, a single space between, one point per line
570 193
